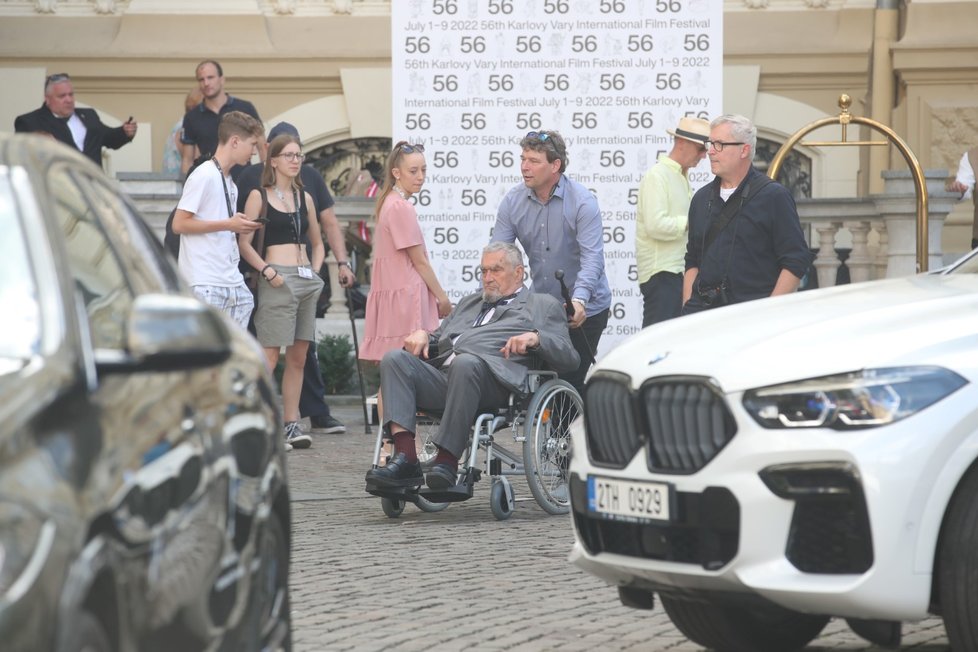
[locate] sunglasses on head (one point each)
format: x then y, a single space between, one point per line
539 135
411 149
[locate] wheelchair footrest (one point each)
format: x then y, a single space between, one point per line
454 494
407 494
461 491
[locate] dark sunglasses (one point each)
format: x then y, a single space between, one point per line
411 149
539 135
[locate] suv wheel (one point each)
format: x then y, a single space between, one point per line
728 628
958 565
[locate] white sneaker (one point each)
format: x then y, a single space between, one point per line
295 436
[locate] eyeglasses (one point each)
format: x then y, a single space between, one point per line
292 156
411 149
539 135
718 145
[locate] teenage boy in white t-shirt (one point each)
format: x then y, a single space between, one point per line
207 221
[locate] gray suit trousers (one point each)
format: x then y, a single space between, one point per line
459 392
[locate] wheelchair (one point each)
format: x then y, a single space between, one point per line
539 420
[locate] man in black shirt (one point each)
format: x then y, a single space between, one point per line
745 239
200 123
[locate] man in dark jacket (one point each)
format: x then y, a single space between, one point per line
80 129
745 239
479 354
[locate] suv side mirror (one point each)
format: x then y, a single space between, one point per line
167 332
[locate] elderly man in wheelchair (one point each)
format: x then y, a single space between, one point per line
476 363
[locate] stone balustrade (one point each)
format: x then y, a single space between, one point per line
879 231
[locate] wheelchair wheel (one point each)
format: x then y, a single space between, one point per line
391 507
426 505
499 501
546 446
424 437
427 451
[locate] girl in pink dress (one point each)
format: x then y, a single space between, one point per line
404 293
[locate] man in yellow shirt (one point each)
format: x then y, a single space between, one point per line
662 222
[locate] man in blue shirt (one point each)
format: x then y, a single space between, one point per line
558 224
745 239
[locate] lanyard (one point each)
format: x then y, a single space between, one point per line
294 217
224 186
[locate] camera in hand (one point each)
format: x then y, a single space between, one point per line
714 295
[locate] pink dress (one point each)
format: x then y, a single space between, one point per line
399 302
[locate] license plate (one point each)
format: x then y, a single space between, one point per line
628 499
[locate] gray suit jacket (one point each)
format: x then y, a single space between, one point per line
526 312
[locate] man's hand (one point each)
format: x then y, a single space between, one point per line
520 344
346 276
129 127
241 224
957 186
417 343
579 315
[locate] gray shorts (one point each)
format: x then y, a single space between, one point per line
287 313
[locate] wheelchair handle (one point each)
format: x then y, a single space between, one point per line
564 292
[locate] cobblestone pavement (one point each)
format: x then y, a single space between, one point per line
460 579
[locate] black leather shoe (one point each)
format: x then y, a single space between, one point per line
441 476
398 473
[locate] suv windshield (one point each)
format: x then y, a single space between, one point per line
20 325
967 266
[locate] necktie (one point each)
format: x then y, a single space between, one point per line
488 307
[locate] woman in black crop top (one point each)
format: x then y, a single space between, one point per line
290 285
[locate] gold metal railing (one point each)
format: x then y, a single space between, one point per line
844 119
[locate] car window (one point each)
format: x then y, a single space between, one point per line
97 272
139 252
20 327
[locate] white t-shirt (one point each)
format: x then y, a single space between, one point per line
209 258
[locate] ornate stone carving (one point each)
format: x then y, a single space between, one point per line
45 6
284 7
343 6
757 4
817 4
104 6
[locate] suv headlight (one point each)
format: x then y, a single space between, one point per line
860 399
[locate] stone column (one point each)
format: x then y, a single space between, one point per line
898 207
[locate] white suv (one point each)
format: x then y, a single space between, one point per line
767 465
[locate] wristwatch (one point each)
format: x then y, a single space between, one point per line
346 264
580 301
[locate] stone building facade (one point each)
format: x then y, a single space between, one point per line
325 66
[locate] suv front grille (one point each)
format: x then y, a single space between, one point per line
684 422
613 435
688 424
